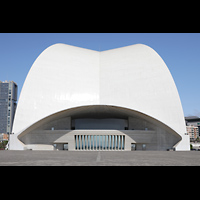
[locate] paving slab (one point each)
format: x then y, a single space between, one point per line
99 158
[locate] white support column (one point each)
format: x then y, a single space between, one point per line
123 142
78 142
108 142
75 142
115 142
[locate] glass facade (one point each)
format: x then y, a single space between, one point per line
99 142
101 124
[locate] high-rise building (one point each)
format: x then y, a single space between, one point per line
8 99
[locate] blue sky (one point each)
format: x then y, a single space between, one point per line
180 51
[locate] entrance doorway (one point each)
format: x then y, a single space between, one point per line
100 142
133 146
65 146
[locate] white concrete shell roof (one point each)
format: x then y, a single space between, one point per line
133 77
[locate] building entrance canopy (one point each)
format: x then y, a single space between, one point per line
76 127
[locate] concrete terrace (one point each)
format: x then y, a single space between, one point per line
97 158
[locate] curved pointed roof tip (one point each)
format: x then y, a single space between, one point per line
133 77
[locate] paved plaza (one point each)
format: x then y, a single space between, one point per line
99 158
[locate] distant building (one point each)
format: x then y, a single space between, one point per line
193 132
192 120
193 127
3 137
8 99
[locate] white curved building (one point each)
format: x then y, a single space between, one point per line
79 99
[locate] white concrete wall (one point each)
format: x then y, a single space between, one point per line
134 77
62 77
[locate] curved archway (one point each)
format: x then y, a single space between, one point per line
95 120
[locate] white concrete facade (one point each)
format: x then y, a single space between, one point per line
65 77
